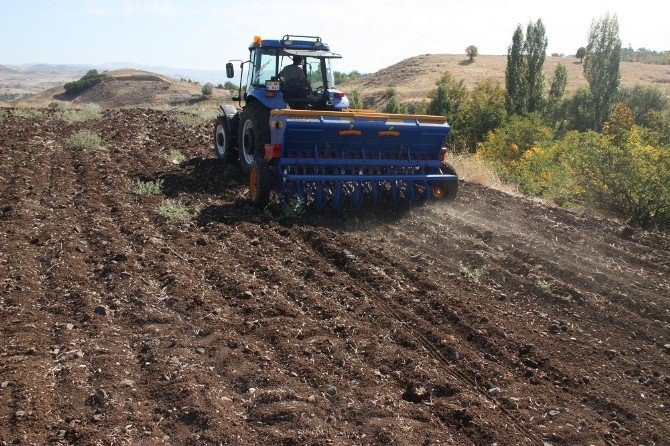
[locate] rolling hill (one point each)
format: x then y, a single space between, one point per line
127 88
413 78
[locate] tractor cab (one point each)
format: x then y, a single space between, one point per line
267 59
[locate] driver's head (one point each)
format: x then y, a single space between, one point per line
297 60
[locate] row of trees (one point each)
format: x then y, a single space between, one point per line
602 146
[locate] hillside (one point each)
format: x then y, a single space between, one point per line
127 88
491 320
413 78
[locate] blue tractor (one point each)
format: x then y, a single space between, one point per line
303 142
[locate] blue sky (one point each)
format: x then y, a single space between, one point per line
204 34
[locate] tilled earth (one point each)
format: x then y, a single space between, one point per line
493 320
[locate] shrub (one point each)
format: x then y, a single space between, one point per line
91 78
89 112
56 105
231 86
575 112
449 99
356 101
175 157
506 145
393 106
175 211
139 187
28 113
484 110
642 100
630 178
207 89
84 140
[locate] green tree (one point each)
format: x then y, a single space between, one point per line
393 106
515 75
602 65
207 89
448 99
581 52
575 112
88 80
485 110
558 83
535 49
642 99
471 51
356 101
556 91
231 86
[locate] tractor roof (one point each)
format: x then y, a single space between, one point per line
287 43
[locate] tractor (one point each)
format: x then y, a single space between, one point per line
305 143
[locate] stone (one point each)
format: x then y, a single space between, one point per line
554 412
331 391
494 391
101 310
553 328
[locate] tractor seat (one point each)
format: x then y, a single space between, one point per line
296 94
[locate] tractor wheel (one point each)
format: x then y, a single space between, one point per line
260 182
450 187
222 141
254 133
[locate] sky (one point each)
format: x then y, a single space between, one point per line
205 34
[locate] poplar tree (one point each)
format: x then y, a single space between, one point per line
535 49
602 64
515 75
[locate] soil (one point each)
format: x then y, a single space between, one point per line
492 320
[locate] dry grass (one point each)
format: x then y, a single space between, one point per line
475 170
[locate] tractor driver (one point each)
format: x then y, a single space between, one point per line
294 74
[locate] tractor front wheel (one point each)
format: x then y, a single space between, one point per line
222 141
260 182
254 133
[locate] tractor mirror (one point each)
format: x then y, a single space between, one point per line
230 72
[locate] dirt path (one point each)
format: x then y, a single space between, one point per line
495 320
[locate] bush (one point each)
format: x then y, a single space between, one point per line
506 145
484 110
449 99
89 112
575 112
642 100
355 101
631 179
84 140
207 89
139 187
175 157
231 86
91 78
175 211
393 106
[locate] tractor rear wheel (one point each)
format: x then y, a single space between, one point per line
254 133
450 187
222 141
260 182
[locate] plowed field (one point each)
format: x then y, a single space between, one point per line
493 320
